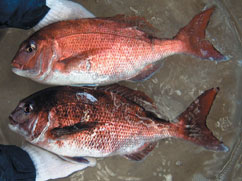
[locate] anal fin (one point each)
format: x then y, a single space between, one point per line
147 72
142 152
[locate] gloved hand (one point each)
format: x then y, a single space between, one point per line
50 166
22 14
35 14
63 10
15 164
31 162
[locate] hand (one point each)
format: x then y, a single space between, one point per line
61 10
26 14
22 14
15 164
51 166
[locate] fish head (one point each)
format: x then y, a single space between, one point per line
31 60
29 118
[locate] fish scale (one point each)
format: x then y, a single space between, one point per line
99 51
108 62
106 121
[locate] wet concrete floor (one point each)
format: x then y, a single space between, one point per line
181 79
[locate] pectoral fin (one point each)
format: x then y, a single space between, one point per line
142 152
76 159
82 61
68 130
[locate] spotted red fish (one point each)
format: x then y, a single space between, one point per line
106 121
106 50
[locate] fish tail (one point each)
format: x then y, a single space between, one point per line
192 126
193 37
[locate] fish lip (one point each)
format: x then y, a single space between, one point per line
11 120
15 70
20 72
15 127
16 65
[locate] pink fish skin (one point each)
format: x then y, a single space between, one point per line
106 121
106 50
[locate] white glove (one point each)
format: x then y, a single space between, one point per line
63 10
51 166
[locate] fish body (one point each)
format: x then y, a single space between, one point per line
106 121
106 50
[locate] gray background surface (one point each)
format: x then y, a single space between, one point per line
181 79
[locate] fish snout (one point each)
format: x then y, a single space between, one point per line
17 117
18 125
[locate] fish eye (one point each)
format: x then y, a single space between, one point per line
31 46
28 108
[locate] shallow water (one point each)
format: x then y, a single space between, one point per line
181 79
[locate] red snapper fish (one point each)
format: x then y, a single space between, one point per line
98 51
112 120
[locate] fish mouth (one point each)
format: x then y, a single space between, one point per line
22 73
16 65
17 71
11 120
15 127
20 70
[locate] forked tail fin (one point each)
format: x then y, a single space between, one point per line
193 37
192 122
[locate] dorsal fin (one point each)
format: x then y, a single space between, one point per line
135 96
135 21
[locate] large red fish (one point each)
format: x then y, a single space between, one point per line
106 121
106 50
